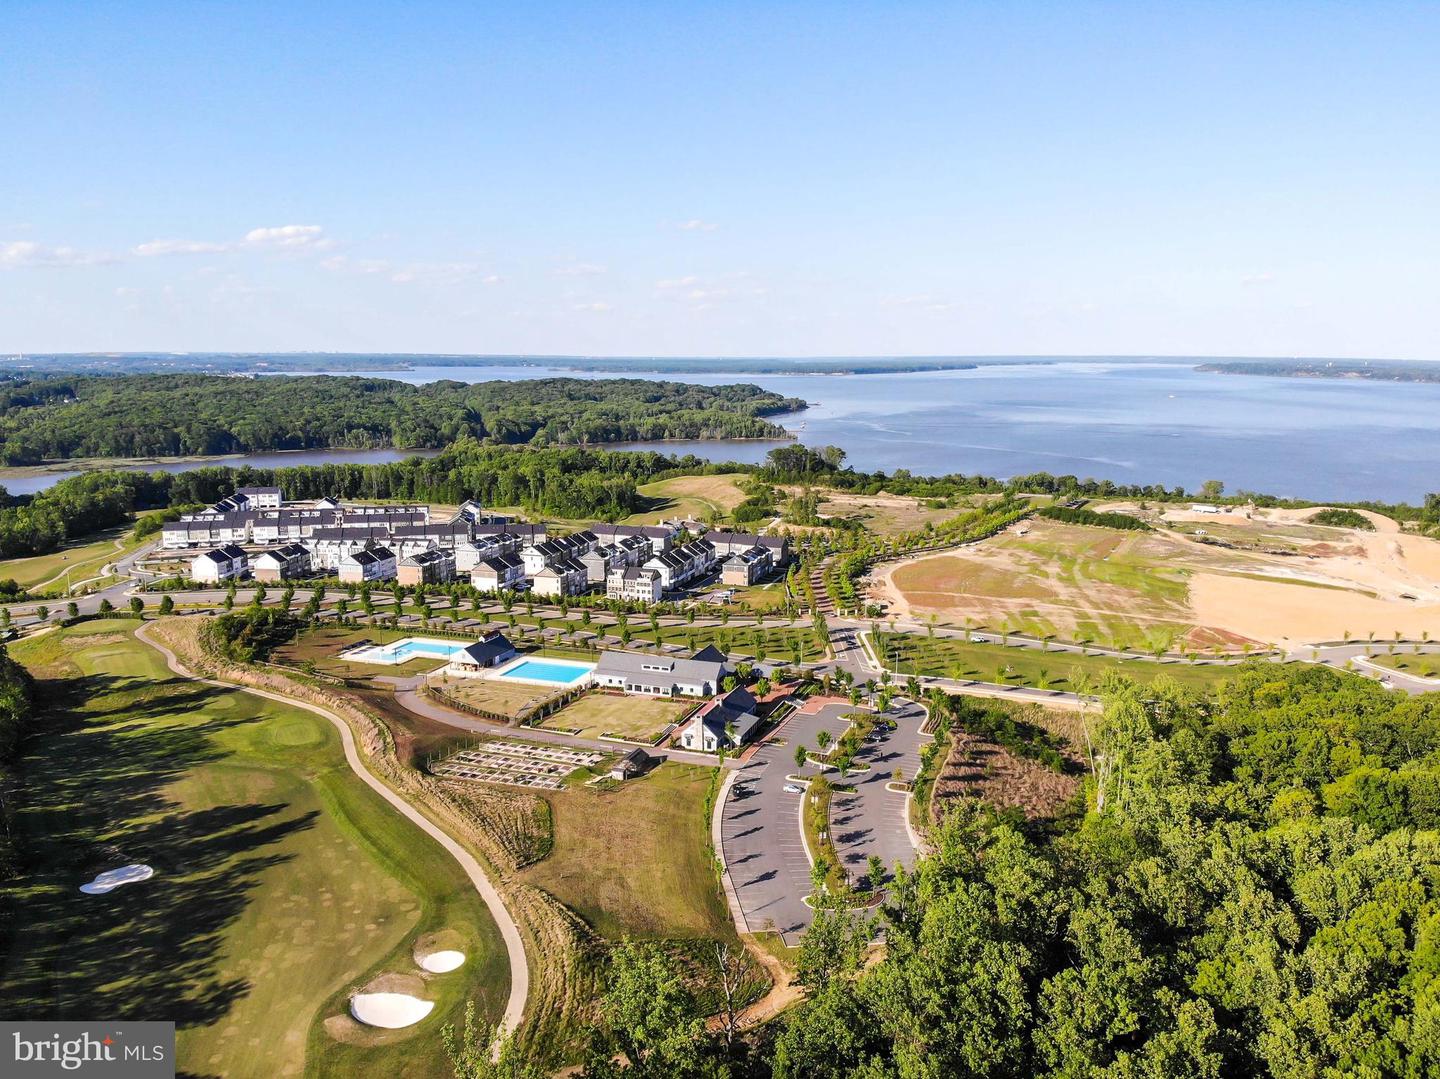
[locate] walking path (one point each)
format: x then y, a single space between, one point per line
509 931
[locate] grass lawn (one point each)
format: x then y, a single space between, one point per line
281 880
699 497
322 647
496 694
636 860
762 597
640 719
949 658
1426 665
81 559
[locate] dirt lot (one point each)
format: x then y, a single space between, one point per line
1268 578
883 514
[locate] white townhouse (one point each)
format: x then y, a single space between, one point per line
221 564
634 584
282 563
503 573
369 564
562 577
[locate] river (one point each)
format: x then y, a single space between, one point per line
28 481
1130 422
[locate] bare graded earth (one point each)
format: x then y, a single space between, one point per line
1200 581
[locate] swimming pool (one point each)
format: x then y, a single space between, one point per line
549 672
404 650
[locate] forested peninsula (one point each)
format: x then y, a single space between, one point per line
1376 371
179 415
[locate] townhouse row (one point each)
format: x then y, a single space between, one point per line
366 544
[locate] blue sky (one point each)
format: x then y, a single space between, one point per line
741 179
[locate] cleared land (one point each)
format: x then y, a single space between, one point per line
639 719
948 658
281 880
883 514
636 860
1268 578
698 497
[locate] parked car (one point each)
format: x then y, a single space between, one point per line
790 788
977 639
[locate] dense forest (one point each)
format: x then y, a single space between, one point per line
1252 889
178 415
1255 890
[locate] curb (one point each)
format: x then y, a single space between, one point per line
737 913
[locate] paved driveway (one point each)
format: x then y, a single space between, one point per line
872 820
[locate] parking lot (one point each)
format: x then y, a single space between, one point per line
871 821
761 837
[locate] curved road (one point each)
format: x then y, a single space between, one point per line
509 931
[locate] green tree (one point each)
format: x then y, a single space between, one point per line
483 1052
648 1015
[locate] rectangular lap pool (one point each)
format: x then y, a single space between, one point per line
404 650
547 672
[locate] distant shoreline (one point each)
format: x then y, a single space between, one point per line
1388 371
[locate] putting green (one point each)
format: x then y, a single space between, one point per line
281 881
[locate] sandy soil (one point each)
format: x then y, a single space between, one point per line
1334 580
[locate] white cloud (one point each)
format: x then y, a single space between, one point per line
580 269
433 273
926 301
23 254
1262 278
178 247
701 293
287 236
345 264
598 305
695 224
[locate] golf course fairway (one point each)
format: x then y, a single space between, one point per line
281 882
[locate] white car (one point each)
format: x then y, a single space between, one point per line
978 640
790 788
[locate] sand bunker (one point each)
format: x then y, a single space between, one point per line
114 878
389 1010
442 962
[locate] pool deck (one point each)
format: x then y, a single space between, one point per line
385 653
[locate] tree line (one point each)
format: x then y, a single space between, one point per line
559 481
16 690
175 415
1077 515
